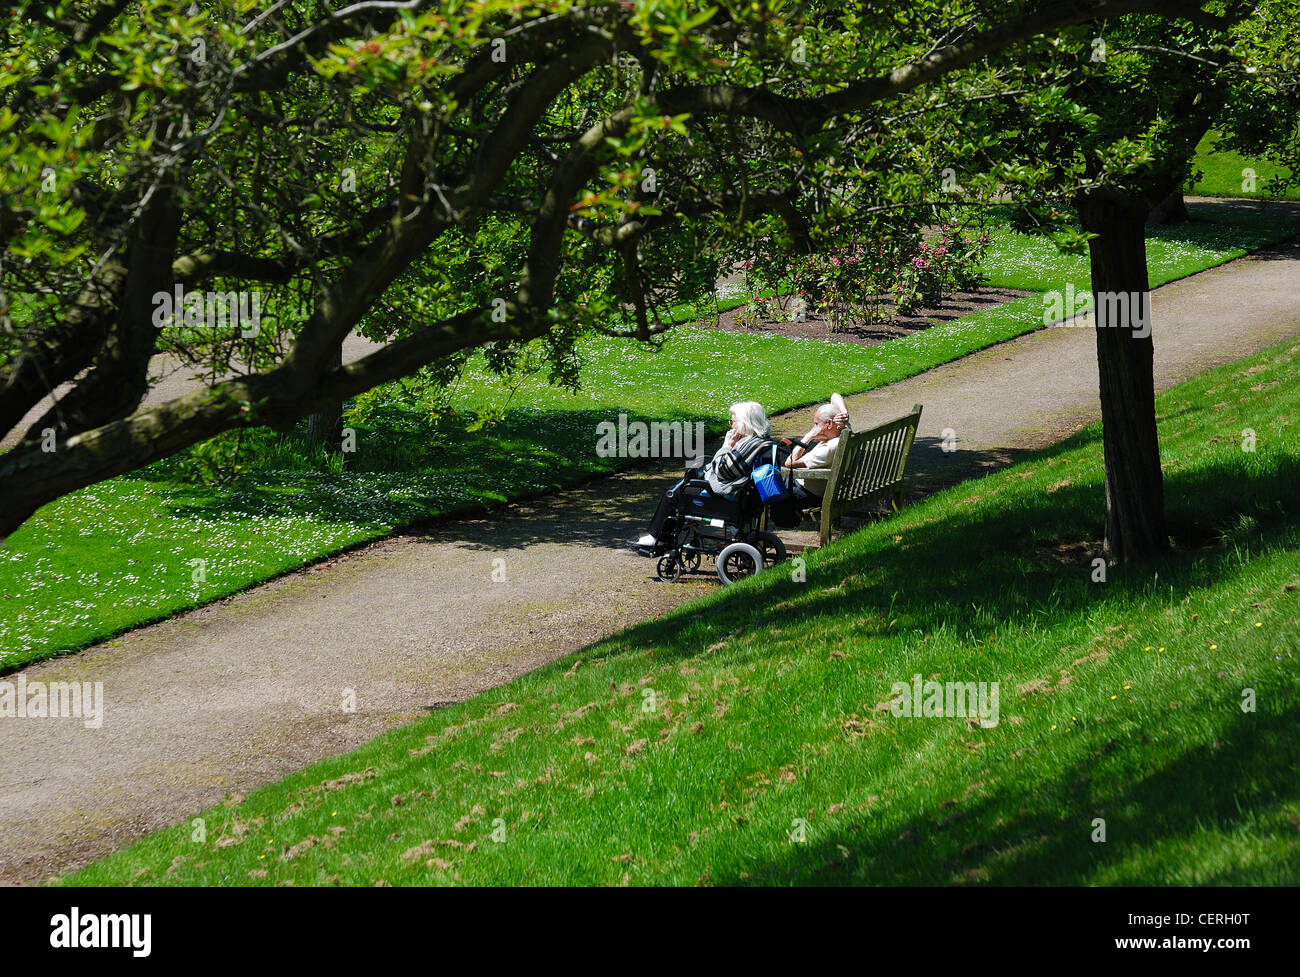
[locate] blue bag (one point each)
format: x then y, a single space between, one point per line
768 480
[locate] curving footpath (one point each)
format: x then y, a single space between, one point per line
247 690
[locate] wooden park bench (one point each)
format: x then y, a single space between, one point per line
867 470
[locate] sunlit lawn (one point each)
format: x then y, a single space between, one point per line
747 737
1229 174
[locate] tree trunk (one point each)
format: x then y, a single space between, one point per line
326 427
1171 210
1135 514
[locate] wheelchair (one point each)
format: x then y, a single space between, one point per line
733 531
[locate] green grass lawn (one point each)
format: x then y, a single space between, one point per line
742 738
128 551
1225 173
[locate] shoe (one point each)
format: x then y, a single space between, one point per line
645 546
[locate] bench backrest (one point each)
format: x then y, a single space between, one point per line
871 464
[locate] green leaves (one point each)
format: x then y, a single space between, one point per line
670 26
387 169
1070 239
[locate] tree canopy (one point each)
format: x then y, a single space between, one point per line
450 177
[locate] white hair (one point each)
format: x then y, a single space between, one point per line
753 420
825 412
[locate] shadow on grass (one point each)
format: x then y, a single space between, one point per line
528 455
1025 838
1226 226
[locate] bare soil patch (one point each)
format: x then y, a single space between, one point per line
894 326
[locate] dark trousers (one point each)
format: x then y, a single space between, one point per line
806 499
667 506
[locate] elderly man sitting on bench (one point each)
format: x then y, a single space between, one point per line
823 439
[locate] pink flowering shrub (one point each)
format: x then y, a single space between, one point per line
863 281
938 269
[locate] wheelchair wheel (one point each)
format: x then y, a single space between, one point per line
739 560
770 545
690 560
669 568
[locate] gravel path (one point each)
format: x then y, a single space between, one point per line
247 690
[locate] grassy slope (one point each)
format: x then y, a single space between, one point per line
1223 172
1119 700
119 554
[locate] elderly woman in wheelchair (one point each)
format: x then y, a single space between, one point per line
723 510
